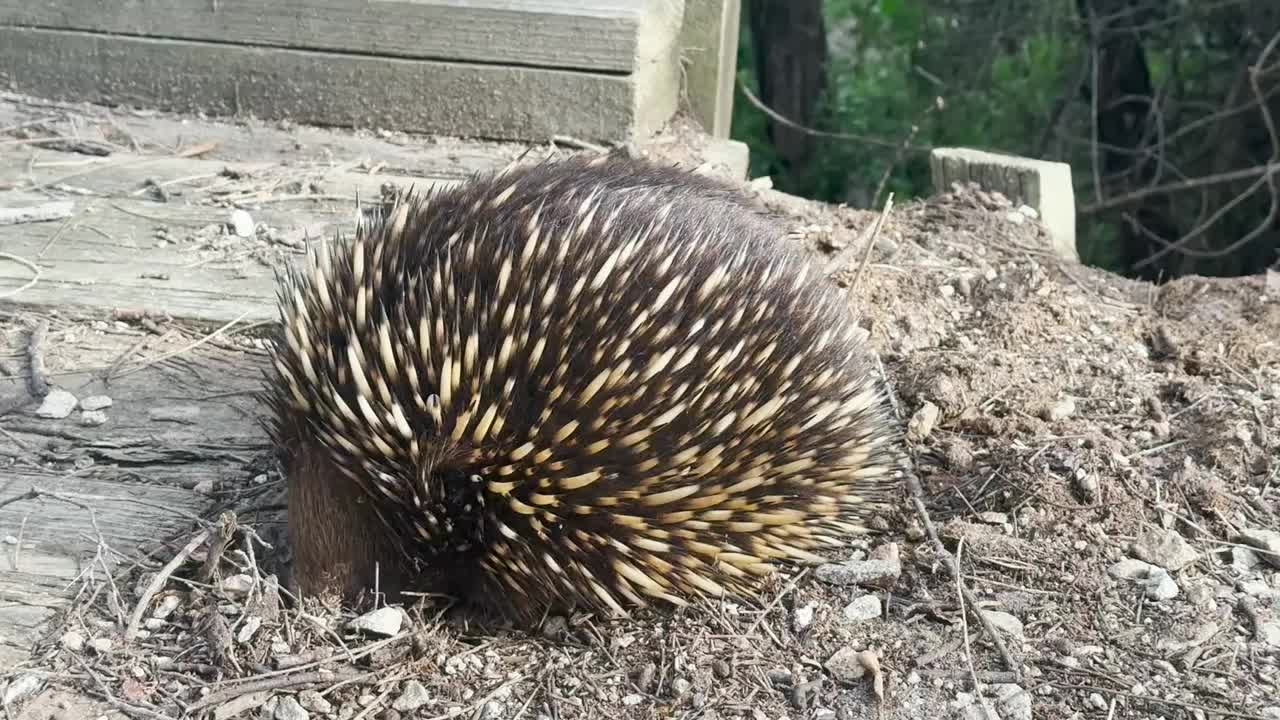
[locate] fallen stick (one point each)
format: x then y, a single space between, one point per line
59 210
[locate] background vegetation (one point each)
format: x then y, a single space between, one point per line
1164 109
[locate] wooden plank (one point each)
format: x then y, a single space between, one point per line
253 141
109 255
331 89
595 35
709 46
112 490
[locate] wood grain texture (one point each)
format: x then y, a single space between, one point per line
709 45
114 491
322 88
108 256
595 35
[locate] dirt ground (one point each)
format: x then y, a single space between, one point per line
1100 454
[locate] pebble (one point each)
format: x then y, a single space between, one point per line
242 223
1060 410
412 697
93 418
824 714
494 710
1097 701
313 701
1271 712
1269 633
803 616
72 641
848 664
1266 540
1165 548
383 621
1028 211
289 709
876 573
1156 581
922 422
632 700
1256 588
57 404
167 605
866 607
1012 702
238 584
1244 559
21 688
1015 217
102 646
96 402
680 686
153 624
1004 622
248 630
993 518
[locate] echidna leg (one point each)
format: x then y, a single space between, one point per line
340 547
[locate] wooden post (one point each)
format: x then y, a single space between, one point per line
1039 184
709 50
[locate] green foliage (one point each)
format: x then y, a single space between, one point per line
909 70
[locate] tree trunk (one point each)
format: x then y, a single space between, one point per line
790 49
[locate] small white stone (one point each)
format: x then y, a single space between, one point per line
242 223
73 641
1060 410
102 646
167 605
866 607
1015 217
1164 548
1097 701
237 584
287 708
383 621
804 616
1268 541
248 629
1028 211
632 700
1244 559
21 688
1012 702
313 701
57 404
1269 633
93 418
95 402
413 696
1004 622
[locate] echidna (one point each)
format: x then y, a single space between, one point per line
586 383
